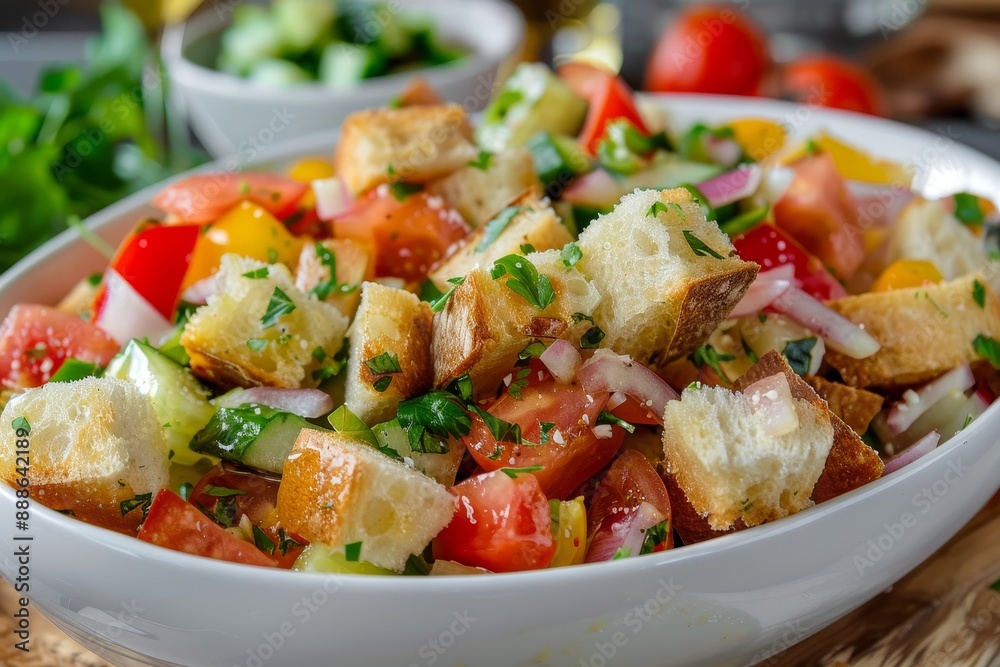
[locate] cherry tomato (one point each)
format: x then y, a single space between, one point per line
819 212
35 341
227 495
503 524
709 49
609 98
206 197
628 511
409 236
178 525
831 81
771 247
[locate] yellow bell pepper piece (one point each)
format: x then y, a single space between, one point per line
907 273
248 230
853 163
759 137
308 170
569 528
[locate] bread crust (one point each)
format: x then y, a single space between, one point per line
856 407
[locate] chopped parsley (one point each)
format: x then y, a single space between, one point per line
706 355
698 246
996 586
401 191
429 291
331 365
352 552
142 500
327 287
462 387
495 227
527 248
979 293
591 339
520 382
514 472
272 255
429 418
571 254
655 536
657 208
482 162
184 490
285 543
607 418
502 431
226 511
221 491
256 274
438 305
525 280
582 317
941 311
384 364
279 305
94 279
262 541
968 209
798 354
812 148
533 349
545 432
257 344
382 383
988 348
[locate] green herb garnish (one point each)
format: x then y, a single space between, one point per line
979 293
495 227
798 354
279 305
968 209
438 305
352 552
591 339
570 255
257 344
607 418
706 355
262 541
482 162
657 208
514 472
988 348
545 432
698 246
655 536
502 431
143 500
256 274
428 418
221 491
384 364
525 280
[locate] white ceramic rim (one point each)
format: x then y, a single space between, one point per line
472 585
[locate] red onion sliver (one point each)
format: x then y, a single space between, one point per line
332 197
125 314
597 186
724 152
915 403
771 397
839 332
607 371
925 445
310 403
731 186
879 205
764 290
199 292
563 361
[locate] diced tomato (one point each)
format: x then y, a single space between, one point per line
35 341
502 523
206 197
771 247
819 212
154 259
178 525
227 495
634 413
556 423
629 505
609 98
409 236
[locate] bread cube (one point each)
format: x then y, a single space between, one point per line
94 444
260 329
667 276
353 263
338 491
856 407
479 194
390 352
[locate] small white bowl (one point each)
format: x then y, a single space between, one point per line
735 600
233 115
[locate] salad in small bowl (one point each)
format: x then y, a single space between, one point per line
685 350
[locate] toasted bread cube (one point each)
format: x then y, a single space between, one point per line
94 444
666 280
233 342
353 263
419 143
80 299
528 221
924 332
339 491
730 468
479 194
392 331
856 407
485 324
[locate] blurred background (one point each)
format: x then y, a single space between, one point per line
137 90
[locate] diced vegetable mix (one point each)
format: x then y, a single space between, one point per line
563 461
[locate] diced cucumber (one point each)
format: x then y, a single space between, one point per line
558 160
532 100
324 560
345 65
342 420
180 401
440 466
254 435
667 170
252 37
776 332
278 73
302 24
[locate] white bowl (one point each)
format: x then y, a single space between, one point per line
729 601
234 115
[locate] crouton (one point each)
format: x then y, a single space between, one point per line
97 449
730 468
526 222
856 407
390 352
480 192
338 492
485 324
419 143
259 329
851 462
352 260
667 276
80 299
924 332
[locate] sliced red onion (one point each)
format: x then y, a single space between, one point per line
767 287
199 292
974 407
771 398
310 403
596 188
723 152
921 447
616 399
627 533
731 186
879 205
607 371
124 313
916 402
332 197
839 332
563 361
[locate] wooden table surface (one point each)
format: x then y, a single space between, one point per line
943 614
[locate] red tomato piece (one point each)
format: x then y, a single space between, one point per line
819 212
229 494
709 49
831 81
206 197
630 500
609 98
35 341
409 236
634 413
771 247
178 525
569 452
502 524
154 259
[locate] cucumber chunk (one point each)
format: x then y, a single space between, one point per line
558 160
323 559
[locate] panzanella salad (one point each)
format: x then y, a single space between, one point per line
572 334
